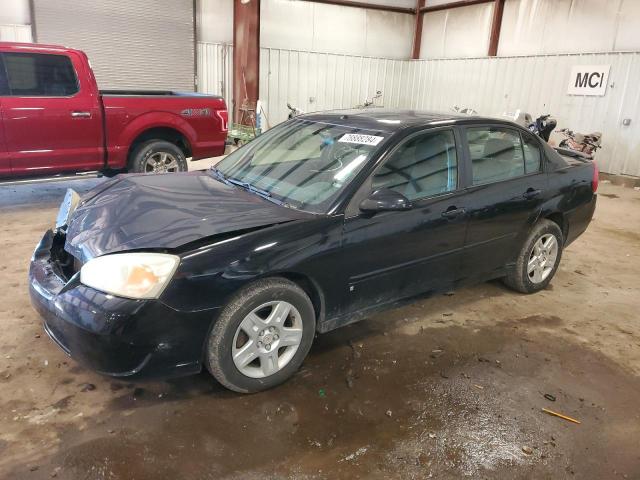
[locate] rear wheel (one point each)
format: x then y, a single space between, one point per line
538 259
262 336
157 156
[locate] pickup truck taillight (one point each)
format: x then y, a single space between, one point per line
223 115
594 180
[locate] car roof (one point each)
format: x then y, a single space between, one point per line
392 120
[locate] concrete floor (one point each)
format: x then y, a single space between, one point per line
448 387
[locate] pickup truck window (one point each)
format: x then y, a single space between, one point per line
423 166
38 75
4 83
496 154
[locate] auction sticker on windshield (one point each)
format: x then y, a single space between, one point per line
361 139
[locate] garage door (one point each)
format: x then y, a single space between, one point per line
146 44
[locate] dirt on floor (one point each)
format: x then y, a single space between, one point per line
448 387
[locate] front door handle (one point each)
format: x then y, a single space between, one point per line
81 114
453 212
532 193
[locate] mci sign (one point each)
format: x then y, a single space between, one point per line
589 80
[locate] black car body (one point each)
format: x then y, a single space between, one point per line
349 262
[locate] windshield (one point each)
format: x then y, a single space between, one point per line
302 163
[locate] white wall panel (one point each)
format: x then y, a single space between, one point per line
214 21
14 12
319 27
15 33
567 26
628 33
389 35
459 32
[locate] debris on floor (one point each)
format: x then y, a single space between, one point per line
556 414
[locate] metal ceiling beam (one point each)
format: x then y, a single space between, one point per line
496 23
371 6
447 6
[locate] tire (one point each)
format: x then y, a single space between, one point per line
521 278
157 156
229 332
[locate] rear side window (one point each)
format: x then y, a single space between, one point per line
423 166
532 155
496 154
40 75
4 83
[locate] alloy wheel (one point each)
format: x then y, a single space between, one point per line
267 339
161 162
543 258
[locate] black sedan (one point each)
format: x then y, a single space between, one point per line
315 224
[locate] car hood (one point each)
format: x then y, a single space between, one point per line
132 212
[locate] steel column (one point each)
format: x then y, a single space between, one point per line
494 40
246 55
417 30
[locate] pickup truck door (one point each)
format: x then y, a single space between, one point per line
506 190
52 116
399 254
5 163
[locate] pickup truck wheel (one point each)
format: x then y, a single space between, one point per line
538 259
157 156
262 336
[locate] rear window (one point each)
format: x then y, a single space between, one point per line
39 75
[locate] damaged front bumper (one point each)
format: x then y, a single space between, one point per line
115 336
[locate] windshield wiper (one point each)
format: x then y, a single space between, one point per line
247 186
218 173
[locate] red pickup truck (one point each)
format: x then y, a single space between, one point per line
53 119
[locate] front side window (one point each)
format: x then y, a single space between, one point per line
496 154
40 75
302 163
423 166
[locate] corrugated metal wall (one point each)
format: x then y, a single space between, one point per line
323 81
214 69
15 33
535 84
538 85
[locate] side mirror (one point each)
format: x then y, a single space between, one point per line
384 200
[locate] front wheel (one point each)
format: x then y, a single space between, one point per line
538 259
262 336
157 156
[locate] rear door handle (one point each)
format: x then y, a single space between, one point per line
81 114
453 212
532 193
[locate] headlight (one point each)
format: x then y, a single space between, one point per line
132 275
